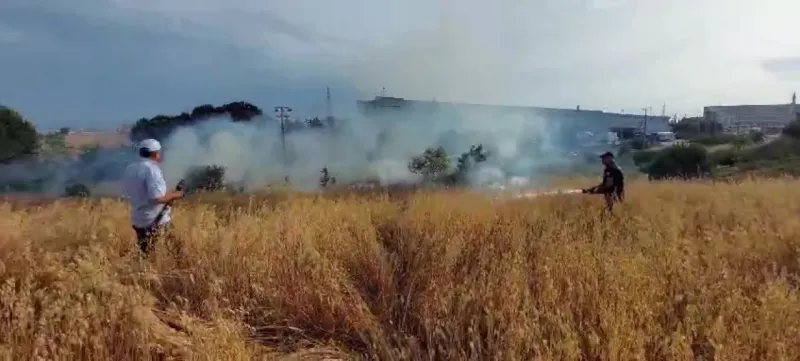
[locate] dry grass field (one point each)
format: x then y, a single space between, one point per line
680 272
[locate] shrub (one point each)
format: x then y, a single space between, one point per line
642 158
77 190
723 139
792 130
726 157
205 178
681 161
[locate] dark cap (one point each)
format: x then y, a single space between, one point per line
607 154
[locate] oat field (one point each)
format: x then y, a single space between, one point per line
682 271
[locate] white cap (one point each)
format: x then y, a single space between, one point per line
151 145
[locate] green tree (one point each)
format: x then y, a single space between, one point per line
466 163
205 178
431 164
18 136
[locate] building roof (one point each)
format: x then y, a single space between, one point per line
752 109
395 102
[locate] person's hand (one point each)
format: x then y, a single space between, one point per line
177 195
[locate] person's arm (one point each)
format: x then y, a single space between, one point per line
600 188
157 188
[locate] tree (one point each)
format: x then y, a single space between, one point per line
205 178
18 136
470 158
161 126
431 164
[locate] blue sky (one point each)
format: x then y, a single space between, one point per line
99 63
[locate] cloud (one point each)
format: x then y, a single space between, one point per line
606 54
598 54
786 68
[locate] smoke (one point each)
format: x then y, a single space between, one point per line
522 145
100 169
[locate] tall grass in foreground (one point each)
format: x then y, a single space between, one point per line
680 272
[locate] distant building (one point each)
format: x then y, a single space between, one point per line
770 118
571 120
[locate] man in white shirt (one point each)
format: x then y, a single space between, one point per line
146 190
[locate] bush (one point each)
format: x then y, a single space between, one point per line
643 158
205 178
792 130
684 161
726 157
720 139
77 190
781 148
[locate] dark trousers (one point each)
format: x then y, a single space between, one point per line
146 237
611 198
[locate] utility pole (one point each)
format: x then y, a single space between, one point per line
644 124
282 112
328 107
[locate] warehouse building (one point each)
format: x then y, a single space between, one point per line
769 118
569 120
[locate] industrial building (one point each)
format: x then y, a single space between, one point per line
569 120
769 118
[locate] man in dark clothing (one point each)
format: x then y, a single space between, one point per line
613 185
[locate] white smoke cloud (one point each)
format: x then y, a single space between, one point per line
519 143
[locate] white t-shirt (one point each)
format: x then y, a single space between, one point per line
143 183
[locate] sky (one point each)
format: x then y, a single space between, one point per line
101 63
